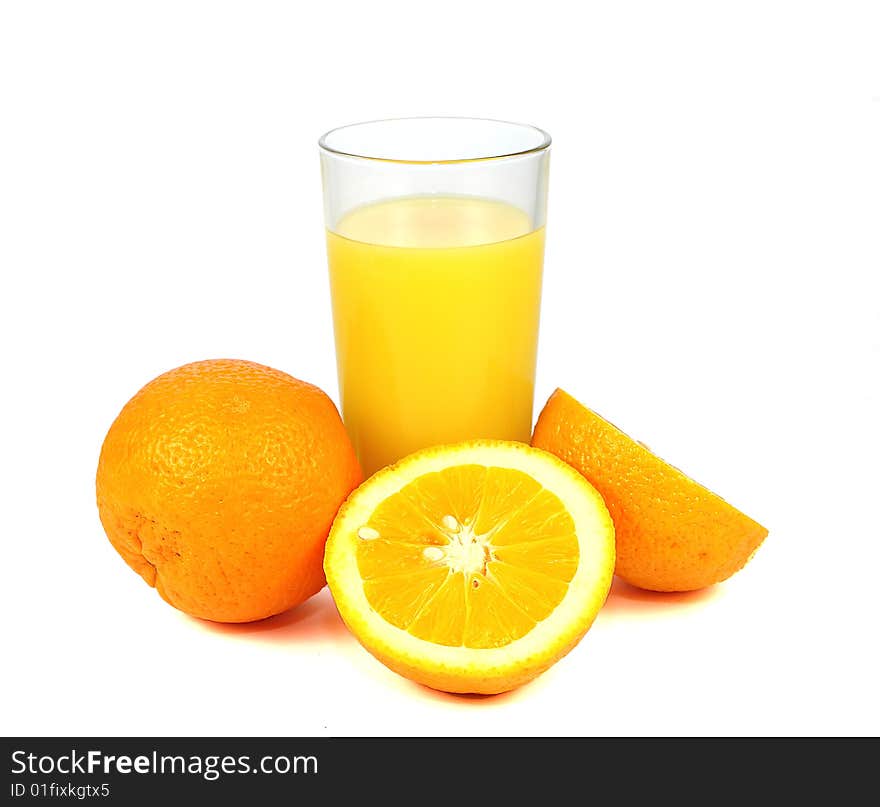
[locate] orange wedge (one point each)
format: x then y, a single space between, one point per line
472 567
673 534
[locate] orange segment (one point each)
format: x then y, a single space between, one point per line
443 618
471 567
551 557
535 593
540 518
401 597
505 493
494 619
385 557
673 534
459 493
399 519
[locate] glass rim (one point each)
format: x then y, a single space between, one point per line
502 154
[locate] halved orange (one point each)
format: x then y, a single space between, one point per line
471 567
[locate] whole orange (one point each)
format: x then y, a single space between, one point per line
218 483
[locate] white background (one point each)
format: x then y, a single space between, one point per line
711 287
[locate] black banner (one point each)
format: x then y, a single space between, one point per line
134 771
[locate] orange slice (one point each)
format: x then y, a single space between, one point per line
472 567
673 534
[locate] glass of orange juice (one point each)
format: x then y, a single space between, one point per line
435 243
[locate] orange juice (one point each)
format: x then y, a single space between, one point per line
435 309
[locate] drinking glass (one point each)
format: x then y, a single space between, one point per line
435 244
